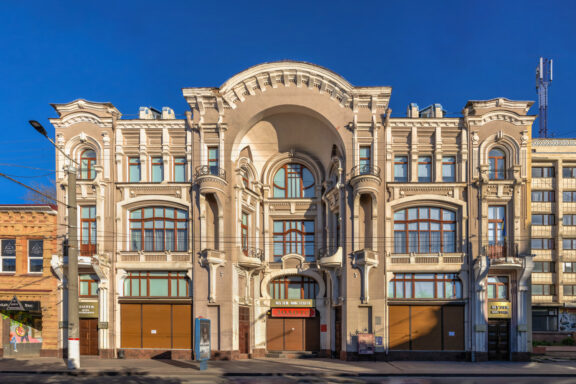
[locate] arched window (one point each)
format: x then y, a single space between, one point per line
293 181
424 230
497 163
158 229
293 287
87 165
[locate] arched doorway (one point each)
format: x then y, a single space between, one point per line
293 323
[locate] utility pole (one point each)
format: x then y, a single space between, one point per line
543 81
72 273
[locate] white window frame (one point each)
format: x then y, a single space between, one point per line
2 257
35 257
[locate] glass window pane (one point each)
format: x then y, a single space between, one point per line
158 287
424 289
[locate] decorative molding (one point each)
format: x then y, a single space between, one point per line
506 116
425 122
146 124
288 74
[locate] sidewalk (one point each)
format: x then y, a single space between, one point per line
297 367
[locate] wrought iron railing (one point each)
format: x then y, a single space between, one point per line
205 170
254 252
365 169
501 250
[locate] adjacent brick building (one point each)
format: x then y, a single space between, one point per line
29 290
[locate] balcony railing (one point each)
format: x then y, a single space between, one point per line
365 169
88 249
207 170
254 252
501 250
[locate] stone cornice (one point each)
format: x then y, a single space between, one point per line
81 117
500 115
500 102
138 124
288 74
425 122
81 104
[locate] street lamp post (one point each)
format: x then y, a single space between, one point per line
72 286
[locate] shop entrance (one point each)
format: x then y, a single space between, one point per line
498 340
89 337
293 334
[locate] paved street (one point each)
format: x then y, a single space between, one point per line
285 371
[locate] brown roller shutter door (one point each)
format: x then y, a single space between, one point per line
399 327
130 321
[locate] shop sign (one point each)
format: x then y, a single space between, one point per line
365 343
293 312
17 305
88 309
499 310
302 303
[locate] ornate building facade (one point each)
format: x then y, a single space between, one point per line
293 211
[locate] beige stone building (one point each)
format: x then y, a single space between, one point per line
293 211
553 239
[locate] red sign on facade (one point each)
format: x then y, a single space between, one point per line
293 312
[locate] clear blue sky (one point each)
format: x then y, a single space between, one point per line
135 53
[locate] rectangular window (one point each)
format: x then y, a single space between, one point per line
35 256
244 228
88 230
569 196
569 243
543 219
134 169
569 267
544 319
365 159
294 236
157 170
180 169
424 169
401 168
542 243
425 286
8 255
569 220
570 290
569 172
543 290
156 284
543 196
498 287
449 169
541 172
544 267
496 225
88 285
213 160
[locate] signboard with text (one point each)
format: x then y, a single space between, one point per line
302 303
293 312
17 305
88 309
499 310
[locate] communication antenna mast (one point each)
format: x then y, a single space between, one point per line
543 81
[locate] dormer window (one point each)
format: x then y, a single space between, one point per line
497 163
88 165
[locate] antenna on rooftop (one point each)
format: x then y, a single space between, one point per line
543 81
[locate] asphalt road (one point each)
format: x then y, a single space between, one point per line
277 379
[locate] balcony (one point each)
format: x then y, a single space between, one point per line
210 178
419 259
330 257
251 257
147 257
88 249
503 255
364 177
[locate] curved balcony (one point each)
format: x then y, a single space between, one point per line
210 179
251 257
330 257
503 255
365 177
